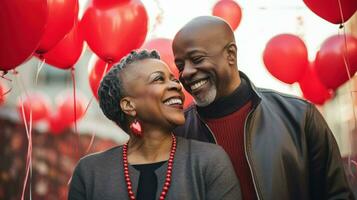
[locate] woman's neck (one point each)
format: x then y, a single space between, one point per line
153 146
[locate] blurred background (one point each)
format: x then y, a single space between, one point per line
52 49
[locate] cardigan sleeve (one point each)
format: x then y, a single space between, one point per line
77 186
221 180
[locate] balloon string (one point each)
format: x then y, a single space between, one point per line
7 79
75 111
347 66
39 68
28 128
91 142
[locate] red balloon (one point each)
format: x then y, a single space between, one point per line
330 65
285 57
56 124
164 47
330 9
22 25
38 103
65 107
312 88
230 11
114 28
95 73
67 52
61 18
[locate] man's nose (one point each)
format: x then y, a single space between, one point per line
188 71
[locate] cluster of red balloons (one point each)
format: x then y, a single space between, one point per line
30 27
286 58
228 10
37 106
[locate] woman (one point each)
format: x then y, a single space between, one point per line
143 98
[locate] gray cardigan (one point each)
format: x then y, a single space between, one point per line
200 171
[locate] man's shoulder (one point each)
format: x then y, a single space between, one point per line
279 97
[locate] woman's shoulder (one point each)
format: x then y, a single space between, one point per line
102 157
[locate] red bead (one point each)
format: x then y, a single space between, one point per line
169 167
165 188
167 184
168 179
162 198
131 193
163 193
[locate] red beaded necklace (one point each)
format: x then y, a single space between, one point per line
168 171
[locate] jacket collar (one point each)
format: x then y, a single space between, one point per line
256 95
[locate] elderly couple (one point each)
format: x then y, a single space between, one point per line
236 142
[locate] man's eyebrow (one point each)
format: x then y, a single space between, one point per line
190 53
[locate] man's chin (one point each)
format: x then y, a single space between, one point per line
204 101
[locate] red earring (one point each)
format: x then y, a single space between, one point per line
136 128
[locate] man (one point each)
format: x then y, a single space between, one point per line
280 145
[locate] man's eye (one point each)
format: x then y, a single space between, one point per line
197 60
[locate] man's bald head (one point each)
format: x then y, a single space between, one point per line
206 29
206 57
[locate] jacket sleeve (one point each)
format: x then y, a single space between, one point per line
327 176
77 186
221 180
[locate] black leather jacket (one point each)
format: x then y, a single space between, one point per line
290 149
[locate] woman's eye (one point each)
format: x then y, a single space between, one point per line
158 78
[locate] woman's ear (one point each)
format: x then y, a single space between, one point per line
128 106
232 53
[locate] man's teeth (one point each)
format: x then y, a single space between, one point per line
198 84
173 101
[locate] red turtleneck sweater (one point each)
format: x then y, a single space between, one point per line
229 132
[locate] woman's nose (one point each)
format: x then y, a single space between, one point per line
175 84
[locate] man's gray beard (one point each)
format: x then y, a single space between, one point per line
205 100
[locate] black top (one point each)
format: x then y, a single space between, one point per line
147 186
227 105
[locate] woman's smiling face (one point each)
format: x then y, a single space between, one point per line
155 92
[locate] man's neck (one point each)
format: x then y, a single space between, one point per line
153 146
